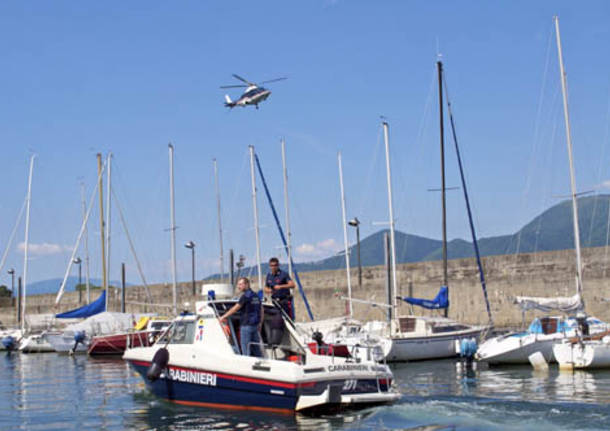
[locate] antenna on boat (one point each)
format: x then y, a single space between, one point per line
343 220
103 238
172 225
566 116
108 200
255 209
27 237
390 209
217 187
287 210
439 65
84 205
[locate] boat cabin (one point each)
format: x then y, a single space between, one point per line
279 338
427 326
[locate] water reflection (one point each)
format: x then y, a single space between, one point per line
447 377
48 391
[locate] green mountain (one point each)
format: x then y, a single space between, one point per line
551 230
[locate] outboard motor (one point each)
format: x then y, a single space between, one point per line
9 342
158 364
468 348
79 337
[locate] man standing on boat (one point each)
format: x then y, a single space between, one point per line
251 318
278 285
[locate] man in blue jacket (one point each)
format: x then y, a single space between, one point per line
278 285
251 318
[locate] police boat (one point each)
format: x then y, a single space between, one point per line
197 361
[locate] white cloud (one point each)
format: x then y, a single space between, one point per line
604 185
44 249
317 250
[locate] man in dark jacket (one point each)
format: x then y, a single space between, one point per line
278 285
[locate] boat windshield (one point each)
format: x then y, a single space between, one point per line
181 332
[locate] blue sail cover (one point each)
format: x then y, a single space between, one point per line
95 307
440 301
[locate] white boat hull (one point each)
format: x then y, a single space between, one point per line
585 354
36 344
427 347
514 349
65 343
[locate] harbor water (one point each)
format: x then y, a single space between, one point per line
55 392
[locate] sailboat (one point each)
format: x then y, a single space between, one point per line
411 337
10 339
516 347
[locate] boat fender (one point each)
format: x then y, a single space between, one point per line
158 364
9 342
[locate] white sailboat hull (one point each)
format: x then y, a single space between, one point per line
427 347
585 354
514 349
36 344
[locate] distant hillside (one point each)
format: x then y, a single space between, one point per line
551 230
53 285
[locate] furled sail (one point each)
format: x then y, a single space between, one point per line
95 307
564 304
440 301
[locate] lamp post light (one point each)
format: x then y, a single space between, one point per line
78 261
191 245
12 273
356 223
240 264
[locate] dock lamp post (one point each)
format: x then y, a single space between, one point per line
78 261
12 273
191 245
356 223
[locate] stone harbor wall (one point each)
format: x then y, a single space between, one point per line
534 274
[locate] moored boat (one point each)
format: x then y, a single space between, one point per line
144 334
516 347
204 367
583 352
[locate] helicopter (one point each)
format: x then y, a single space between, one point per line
253 95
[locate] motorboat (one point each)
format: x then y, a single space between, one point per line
198 362
516 347
143 334
591 351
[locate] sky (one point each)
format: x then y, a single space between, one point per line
81 78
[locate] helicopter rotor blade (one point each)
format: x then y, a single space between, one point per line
274 80
242 79
233 86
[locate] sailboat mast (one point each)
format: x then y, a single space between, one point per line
286 209
103 237
391 210
108 192
439 65
82 193
217 186
27 238
572 177
255 209
345 244
172 224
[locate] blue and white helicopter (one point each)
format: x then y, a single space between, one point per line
253 95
